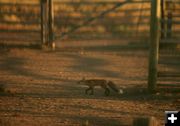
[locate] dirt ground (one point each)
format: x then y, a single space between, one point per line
41 85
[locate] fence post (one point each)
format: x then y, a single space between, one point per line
154 44
163 19
51 25
43 22
170 8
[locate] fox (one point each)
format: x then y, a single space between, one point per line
104 84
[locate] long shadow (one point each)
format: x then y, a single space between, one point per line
92 64
7 47
77 92
15 65
109 48
92 120
84 63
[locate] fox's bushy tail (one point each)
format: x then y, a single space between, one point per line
114 87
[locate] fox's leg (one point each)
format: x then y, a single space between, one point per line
90 89
107 91
87 90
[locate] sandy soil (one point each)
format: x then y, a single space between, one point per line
43 90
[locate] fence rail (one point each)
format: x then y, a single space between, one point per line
65 17
20 22
20 4
169 65
113 16
101 2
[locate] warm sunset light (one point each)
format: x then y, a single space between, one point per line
89 62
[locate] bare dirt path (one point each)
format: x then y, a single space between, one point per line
45 92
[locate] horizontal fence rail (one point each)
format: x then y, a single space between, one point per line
20 22
124 17
131 16
169 63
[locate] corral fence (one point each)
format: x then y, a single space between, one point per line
169 51
40 21
20 22
102 19
164 65
156 22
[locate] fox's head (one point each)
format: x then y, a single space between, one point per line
82 80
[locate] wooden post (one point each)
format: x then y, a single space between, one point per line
47 23
163 19
43 22
51 24
170 8
154 45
